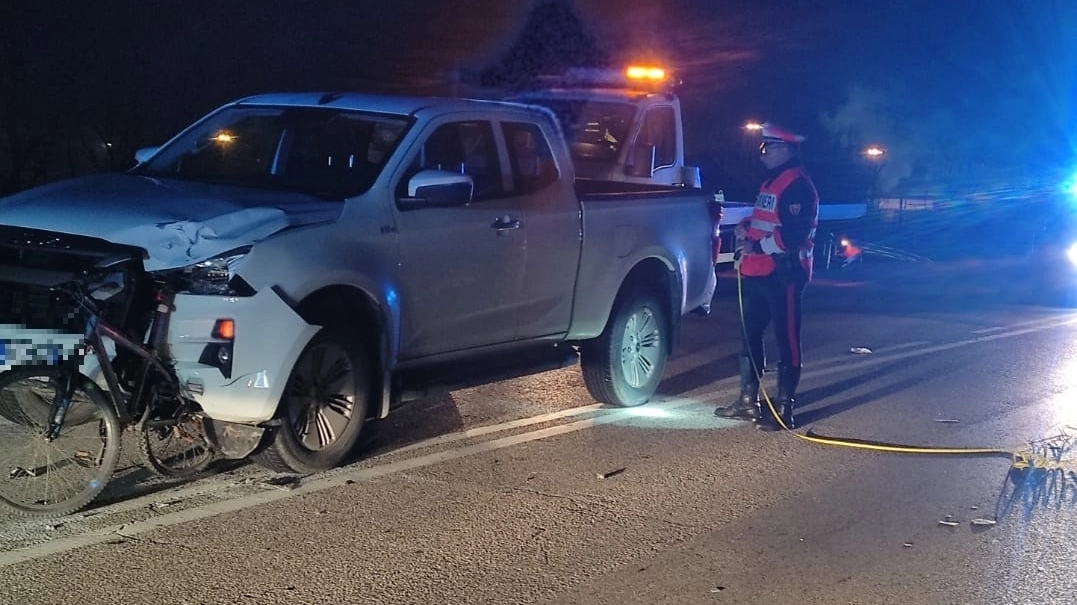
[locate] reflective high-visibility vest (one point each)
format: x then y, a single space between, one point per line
765 222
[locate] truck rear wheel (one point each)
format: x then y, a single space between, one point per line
322 409
624 365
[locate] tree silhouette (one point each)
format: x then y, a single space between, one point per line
552 39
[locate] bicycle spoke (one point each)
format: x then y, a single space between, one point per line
52 477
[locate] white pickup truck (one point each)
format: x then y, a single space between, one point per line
625 128
362 247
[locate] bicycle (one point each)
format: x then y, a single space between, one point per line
45 408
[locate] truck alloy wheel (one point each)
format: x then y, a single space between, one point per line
322 409
624 365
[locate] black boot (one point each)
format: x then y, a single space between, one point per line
746 407
788 380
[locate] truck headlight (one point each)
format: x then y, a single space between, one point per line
215 276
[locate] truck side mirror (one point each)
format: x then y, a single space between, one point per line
145 153
437 188
690 177
641 163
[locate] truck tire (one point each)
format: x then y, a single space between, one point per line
322 409
624 365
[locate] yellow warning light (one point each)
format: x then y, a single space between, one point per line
639 72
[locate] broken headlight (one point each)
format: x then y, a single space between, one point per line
214 277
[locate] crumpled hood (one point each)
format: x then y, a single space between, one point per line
177 222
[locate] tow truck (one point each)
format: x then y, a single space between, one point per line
625 128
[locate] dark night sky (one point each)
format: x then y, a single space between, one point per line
986 83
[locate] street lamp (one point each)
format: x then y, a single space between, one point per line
875 154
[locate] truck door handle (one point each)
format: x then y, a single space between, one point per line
505 223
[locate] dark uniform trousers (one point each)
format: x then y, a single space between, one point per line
777 299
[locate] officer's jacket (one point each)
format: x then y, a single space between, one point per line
783 221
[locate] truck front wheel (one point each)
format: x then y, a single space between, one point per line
624 365
322 409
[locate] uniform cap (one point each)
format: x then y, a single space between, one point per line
777 134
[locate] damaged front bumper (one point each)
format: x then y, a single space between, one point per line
237 377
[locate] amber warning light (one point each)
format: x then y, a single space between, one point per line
652 74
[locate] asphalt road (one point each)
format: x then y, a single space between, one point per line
527 492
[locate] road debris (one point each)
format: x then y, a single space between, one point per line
165 503
860 351
984 522
949 521
947 420
908 545
612 473
285 482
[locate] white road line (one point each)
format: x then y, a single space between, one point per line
877 359
904 345
309 486
1022 324
497 428
345 476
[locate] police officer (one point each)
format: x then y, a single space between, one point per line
774 251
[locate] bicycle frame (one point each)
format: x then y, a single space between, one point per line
127 409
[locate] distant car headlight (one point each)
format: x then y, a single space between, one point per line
1071 254
215 276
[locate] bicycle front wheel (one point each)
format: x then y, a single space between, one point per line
51 478
176 447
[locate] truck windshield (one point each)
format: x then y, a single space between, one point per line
323 152
595 130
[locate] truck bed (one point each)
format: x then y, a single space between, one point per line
625 223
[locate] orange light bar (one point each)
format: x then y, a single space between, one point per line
224 329
639 72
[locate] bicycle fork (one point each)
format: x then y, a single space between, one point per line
66 393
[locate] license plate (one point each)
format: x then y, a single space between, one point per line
23 352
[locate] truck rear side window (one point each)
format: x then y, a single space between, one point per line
660 131
533 166
595 130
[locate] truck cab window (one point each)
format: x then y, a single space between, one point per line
533 166
660 130
464 147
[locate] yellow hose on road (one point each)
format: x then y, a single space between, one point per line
1021 458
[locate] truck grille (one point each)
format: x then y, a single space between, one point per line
36 307
31 261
